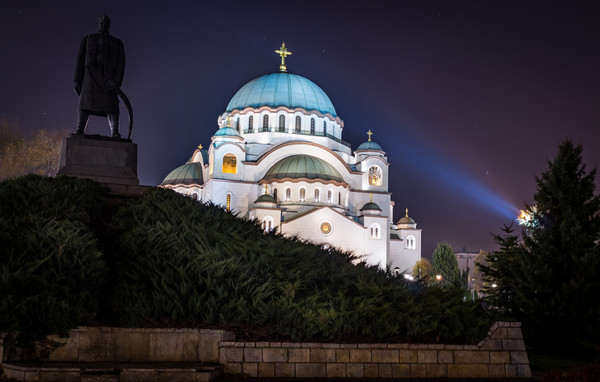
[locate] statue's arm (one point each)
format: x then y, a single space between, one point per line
80 67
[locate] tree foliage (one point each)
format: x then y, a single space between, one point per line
21 154
445 264
549 277
422 270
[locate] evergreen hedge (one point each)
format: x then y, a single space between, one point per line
51 270
184 263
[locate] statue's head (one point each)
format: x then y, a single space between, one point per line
103 24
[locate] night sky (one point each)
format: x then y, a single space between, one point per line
468 98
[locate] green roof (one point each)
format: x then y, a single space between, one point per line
303 166
265 198
371 206
369 146
189 173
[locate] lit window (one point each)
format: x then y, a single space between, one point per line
282 123
298 124
312 126
411 242
228 202
229 164
250 123
265 123
329 196
268 224
375 176
302 194
375 231
288 194
317 195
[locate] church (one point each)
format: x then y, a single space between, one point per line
278 157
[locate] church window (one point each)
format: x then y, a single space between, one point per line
265 123
325 128
312 126
329 196
374 176
340 198
325 228
238 125
288 194
411 242
275 194
228 205
317 195
302 194
268 224
298 124
282 123
375 231
250 123
229 164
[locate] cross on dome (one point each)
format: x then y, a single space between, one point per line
407 212
283 52
369 133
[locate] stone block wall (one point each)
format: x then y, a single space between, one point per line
107 344
500 355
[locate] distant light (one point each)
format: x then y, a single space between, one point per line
409 277
438 277
494 285
525 217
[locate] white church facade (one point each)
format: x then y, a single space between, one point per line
278 157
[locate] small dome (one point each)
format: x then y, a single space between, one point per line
369 146
282 89
265 198
227 132
303 166
189 173
371 206
406 220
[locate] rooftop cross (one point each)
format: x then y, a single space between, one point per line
266 189
407 212
283 52
371 196
200 147
369 133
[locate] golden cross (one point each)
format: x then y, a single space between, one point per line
266 189
283 52
369 133
407 212
200 147
228 121
371 196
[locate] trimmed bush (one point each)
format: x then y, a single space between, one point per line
178 262
51 270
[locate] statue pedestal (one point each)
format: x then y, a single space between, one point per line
99 158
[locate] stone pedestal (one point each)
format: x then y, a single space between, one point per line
99 158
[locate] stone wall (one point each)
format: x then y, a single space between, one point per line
106 344
500 355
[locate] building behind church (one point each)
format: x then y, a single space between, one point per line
278 157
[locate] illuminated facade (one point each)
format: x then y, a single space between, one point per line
278 157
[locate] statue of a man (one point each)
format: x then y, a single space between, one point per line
98 77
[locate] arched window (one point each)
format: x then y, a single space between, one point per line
375 176
275 194
239 128
317 195
251 124
302 194
298 124
329 196
194 196
228 205
312 126
265 123
288 194
282 123
229 164
325 128
340 198
375 231
411 242
268 224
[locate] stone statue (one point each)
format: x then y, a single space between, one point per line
98 77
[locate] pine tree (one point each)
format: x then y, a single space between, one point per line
558 275
445 264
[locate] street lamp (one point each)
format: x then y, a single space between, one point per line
438 277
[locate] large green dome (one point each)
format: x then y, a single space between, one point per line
189 173
282 89
303 166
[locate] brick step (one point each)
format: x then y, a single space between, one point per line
111 371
